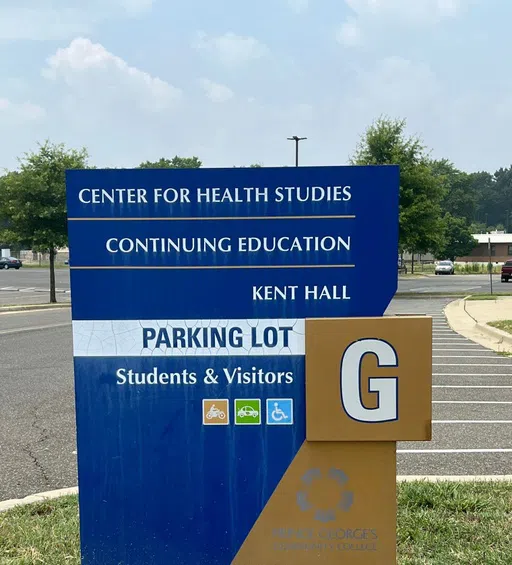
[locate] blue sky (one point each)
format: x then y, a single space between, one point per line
229 81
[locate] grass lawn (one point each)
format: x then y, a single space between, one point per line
504 325
438 524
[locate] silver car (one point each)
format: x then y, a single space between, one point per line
445 268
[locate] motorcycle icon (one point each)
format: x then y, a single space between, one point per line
214 412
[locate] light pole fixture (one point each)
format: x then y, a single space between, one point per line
297 140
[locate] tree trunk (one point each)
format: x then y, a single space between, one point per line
53 294
412 264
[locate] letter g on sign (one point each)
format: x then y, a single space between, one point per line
386 388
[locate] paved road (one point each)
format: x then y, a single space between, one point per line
31 286
455 283
472 429
29 278
37 427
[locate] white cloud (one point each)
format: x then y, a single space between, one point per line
409 10
232 50
299 6
94 75
395 86
20 112
216 92
350 33
61 19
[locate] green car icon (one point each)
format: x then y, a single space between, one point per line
247 412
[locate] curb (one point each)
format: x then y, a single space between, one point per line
50 495
499 335
29 307
477 332
426 295
33 498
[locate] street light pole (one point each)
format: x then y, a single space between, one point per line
297 140
489 248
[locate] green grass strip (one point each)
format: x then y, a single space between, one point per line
438 524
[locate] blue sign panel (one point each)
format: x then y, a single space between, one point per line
189 293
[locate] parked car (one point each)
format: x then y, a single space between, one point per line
506 271
445 268
10 263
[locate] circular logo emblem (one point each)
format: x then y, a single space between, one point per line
342 502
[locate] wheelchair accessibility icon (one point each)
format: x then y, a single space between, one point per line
279 411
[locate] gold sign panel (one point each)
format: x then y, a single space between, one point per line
369 379
335 504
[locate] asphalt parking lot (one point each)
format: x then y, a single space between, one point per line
472 404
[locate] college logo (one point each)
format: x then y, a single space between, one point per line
331 486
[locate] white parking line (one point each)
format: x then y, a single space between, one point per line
472 386
471 374
34 328
458 349
471 365
423 451
449 341
461 357
470 402
472 421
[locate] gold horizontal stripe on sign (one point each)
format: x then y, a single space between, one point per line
211 218
184 268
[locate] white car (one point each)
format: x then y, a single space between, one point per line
445 268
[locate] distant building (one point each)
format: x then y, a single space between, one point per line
501 248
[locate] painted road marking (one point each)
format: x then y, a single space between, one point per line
424 451
471 374
470 402
460 357
470 365
472 421
471 386
34 328
465 350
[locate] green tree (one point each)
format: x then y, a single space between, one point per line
478 227
458 241
33 200
459 194
421 191
174 163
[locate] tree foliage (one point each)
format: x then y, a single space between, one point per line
33 200
459 193
458 240
421 191
174 163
